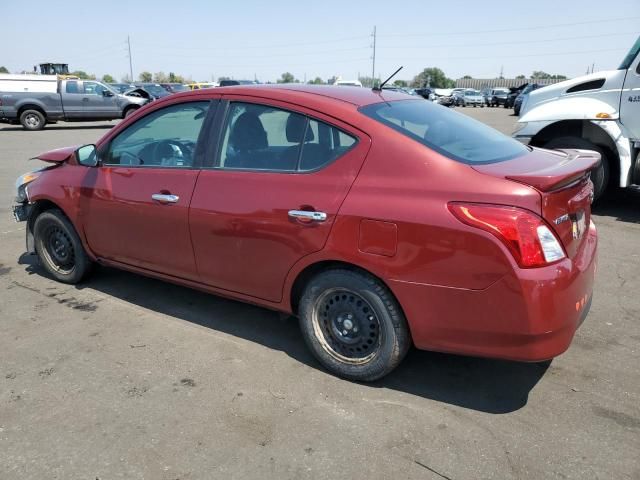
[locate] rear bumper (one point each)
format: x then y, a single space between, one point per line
529 315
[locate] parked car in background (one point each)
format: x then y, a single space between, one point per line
520 98
486 95
155 90
499 96
457 247
395 88
229 83
426 93
513 94
201 85
121 87
471 98
35 100
175 87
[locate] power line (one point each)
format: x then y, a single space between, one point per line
444 45
519 29
205 56
475 57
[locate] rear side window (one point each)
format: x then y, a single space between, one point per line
260 137
451 134
72 87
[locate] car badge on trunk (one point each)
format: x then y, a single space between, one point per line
561 218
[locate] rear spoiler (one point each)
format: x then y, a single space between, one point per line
573 168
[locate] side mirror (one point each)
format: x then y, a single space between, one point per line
87 156
107 93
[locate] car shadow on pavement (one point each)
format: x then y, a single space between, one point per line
490 386
623 205
18 128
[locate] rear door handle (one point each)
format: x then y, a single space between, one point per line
306 215
165 198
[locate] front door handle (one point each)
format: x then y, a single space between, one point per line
165 198
306 215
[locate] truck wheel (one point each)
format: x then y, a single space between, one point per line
59 248
353 325
600 176
32 120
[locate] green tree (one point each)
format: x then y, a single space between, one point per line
160 77
106 78
173 78
467 77
316 81
83 75
145 77
433 77
4 70
520 77
541 74
287 77
401 83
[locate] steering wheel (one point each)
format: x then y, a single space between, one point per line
165 149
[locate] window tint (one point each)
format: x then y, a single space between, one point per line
323 144
72 87
93 88
450 133
164 138
259 137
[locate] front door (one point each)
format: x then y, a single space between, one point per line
135 206
99 101
271 195
630 98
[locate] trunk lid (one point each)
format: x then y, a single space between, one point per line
562 179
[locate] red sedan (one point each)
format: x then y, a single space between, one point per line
380 220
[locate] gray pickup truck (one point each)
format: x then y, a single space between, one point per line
70 101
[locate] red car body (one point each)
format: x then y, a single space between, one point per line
388 204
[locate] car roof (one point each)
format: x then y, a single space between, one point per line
353 95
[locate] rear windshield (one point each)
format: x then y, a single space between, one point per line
452 134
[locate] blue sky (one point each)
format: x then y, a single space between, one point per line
205 39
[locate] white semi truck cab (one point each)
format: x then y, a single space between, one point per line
599 111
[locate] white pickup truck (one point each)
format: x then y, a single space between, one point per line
599 111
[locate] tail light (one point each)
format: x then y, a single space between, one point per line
525 234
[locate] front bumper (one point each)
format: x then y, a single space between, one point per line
21 212
529 315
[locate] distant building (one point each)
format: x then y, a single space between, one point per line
480 83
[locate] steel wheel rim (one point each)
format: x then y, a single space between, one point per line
58 249
33 120
347 326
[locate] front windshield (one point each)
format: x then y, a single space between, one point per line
449 133
179 88
156 90
628 60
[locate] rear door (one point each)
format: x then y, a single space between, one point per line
270 193
135 205
630 99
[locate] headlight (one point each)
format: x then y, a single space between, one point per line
21 185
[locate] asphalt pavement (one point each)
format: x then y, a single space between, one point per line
132 378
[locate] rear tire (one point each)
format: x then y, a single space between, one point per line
600 176
353 325
32 120
59 248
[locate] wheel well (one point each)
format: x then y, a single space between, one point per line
586 130
31 107
129 108
312 270
39 207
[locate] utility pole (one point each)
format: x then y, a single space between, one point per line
373 66
501 71
130 60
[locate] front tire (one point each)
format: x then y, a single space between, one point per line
353 325
600 176
59 248
32 120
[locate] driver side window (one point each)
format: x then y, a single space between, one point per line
165 138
